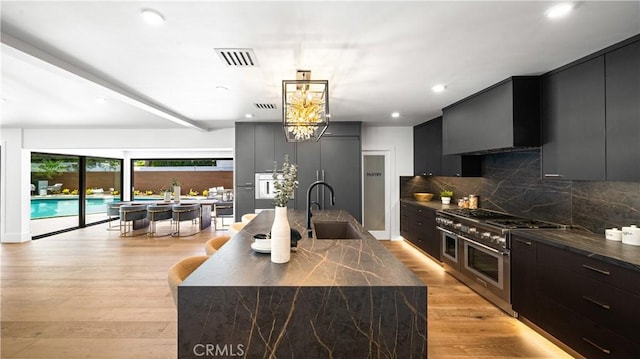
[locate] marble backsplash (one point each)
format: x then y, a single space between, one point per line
511 183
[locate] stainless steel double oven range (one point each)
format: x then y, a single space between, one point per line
476 246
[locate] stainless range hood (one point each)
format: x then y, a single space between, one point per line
504 117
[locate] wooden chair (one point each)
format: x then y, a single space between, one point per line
214 244
180 271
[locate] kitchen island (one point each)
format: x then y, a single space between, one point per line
334 298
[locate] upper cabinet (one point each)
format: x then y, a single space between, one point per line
245 149
622 81
427 154
573 122
591 117
501 117
427 148
271 146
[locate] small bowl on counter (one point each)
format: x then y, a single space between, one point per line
423 196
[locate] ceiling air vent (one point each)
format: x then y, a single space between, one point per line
265 106
238 57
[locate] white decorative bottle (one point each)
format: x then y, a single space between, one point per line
280 237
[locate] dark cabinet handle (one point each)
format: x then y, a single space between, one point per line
601 271
606 351
523 242
552 175
605 306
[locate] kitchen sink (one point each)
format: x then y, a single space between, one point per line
335 230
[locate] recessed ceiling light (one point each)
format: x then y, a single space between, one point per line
395 114
438 88
152 17
559 10
248 115
101 100
222 88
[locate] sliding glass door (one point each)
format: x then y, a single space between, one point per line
71 191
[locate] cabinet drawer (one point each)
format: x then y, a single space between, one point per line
559 260
611 307
584 335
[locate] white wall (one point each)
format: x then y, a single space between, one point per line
399 142
17 145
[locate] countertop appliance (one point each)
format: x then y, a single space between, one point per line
476 246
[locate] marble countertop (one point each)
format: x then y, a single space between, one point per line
588 244
324 262
433 204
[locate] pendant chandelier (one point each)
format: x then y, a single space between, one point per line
305 107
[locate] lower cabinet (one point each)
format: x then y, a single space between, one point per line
588 304
418 226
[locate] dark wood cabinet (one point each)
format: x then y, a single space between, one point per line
336 159
523 277
588 304
244 152
418 226
427 148
503 116
271 147
573 122
428 159
623 113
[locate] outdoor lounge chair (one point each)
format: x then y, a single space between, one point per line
56 188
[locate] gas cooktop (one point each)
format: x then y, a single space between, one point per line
501 220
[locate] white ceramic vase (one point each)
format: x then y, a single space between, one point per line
176 194
167 196
446 200
280 237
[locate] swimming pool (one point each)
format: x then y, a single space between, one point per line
61 206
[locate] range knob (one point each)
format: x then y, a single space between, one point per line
496 239
486 235
473 230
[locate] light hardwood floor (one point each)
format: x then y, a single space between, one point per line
92 294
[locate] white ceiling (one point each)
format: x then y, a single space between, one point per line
379 57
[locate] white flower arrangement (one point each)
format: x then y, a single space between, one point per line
284 188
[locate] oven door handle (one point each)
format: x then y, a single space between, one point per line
446 231
484 246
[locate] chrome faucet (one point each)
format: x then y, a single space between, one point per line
310 203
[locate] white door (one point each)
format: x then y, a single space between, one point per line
376 184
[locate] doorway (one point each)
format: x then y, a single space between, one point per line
376 182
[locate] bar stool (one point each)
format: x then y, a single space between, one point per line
156 213
185 212
113 211
214 244
246 218
236 227
129 214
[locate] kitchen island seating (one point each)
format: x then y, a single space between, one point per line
215 243
236 227
156 213
132 217
246 218
185 212
181 270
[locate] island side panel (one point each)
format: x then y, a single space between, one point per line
304 322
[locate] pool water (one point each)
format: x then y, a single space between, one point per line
58 207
